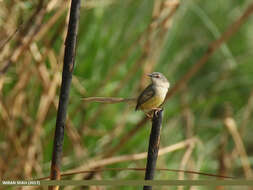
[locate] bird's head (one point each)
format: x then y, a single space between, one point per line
159 79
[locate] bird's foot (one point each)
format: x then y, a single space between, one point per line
156 110
148 115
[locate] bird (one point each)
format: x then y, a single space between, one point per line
153 95
149 100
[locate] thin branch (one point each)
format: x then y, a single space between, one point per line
68 66
139 169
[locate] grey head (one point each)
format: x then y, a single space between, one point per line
159 79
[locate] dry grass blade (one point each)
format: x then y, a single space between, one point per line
27 39
45 102
183 163
231 126
8 39
246 114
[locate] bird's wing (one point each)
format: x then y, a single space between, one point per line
147 93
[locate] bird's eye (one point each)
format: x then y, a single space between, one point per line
157 76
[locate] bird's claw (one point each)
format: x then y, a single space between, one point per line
156 110
148 115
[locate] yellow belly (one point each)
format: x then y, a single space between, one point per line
152 103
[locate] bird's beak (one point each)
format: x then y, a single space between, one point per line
150 75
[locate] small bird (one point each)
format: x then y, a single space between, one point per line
154 94
149 100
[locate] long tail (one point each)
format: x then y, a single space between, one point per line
108 100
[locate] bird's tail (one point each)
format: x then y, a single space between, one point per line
108 100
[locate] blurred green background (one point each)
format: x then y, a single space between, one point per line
119 42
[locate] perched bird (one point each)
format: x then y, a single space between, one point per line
154 94
148 101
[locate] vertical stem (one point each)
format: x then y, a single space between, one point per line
68 66
154 141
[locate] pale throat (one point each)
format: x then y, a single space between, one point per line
161 91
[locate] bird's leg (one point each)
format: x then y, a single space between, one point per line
156 110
